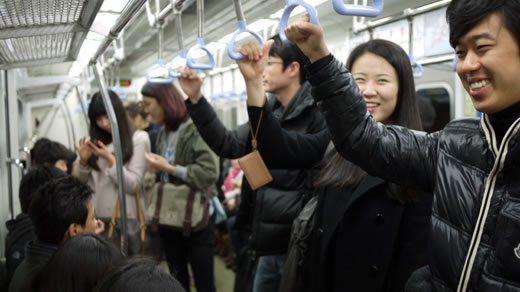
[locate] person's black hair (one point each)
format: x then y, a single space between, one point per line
39 143
36 177
46 151
138 275
339 172
463 15
96 109
78 265
57 205
289 53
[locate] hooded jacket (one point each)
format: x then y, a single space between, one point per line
269 211
475 226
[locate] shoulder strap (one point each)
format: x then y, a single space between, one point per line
113 220
142 227
155 218
186 230
254 135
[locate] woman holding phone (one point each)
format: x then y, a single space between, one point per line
97 163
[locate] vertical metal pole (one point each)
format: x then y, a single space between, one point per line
83 107
69 125
8 148
98 72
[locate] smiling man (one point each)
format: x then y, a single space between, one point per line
472 166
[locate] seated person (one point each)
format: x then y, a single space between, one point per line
138 275
78 264
48 152
20 230
60 210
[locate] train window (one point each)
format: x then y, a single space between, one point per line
434 105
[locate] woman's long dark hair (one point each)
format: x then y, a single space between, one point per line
338 172
78 264
172 102
96 109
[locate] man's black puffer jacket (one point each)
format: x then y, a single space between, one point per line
268 212
475 227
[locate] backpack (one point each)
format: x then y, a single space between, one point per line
293 277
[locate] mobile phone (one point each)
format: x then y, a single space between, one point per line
94 141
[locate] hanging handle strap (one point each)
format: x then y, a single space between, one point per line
254 142
242 27
289 7
358 10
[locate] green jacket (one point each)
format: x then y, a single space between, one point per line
194 154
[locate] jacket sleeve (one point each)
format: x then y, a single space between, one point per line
393 153
203 172
225 143
281 148
82 172
134 169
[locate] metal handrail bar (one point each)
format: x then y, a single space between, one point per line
98 72
402 15
130 10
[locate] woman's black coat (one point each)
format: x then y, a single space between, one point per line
363 240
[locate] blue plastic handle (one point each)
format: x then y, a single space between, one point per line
120 91
181 56
159 79
242 27
419 67
358 10
200 46
454 64
290 5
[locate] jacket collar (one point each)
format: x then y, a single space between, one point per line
298 103
38 252
502 150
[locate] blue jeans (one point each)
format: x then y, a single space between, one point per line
269 272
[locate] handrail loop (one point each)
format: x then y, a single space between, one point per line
200 43
358 10
177 11
159 73
289 7
242 27
418 66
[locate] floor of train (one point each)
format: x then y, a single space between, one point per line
224 277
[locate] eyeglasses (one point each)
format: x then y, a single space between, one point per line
269 63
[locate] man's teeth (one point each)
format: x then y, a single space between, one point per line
371 104
478 85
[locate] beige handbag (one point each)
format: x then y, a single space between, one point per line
179 207
141 239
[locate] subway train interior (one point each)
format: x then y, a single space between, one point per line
55 54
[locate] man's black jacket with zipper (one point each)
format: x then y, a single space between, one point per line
269 211
475 227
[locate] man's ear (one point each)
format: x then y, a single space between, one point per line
295 69
72 231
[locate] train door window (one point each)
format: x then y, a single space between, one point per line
434 105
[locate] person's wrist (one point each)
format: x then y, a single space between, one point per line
170 169
318 54
195 97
